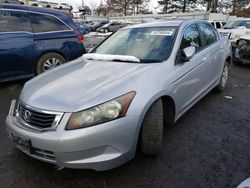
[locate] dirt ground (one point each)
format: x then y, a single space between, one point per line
208 147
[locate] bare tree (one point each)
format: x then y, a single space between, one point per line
127 7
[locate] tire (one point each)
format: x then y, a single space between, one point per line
106 30
49 61
224 78
152 130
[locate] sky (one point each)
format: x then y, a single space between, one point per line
94 3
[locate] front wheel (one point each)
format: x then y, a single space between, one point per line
49 61
152 130
224 78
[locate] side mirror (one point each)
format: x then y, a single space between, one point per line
188 52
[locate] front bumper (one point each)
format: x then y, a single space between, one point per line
241 53
99 147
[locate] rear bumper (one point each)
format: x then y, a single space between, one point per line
100 147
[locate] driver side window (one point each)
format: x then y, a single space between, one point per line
191 37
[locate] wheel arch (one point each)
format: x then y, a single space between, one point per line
229 59
168 108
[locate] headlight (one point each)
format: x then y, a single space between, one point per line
102 113
234 36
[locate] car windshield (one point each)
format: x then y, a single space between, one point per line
236 24
231 25
97 24
149 45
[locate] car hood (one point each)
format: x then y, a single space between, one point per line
240 31
68 87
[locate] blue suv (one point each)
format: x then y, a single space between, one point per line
33 40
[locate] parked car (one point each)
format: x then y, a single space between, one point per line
111 27
84 29
234 29
92 113
242 50
34 40
83 22
98 25
63 6
217 24
10 1
92 40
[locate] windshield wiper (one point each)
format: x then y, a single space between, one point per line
127 61
110 57
228 28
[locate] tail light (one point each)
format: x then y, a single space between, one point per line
80 38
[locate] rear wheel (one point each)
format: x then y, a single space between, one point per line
224 78
49 61
152 130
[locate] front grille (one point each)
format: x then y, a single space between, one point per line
34 118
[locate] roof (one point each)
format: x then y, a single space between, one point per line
31 8
159 23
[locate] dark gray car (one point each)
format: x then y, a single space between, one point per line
111 27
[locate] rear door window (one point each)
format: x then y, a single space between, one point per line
13 21
209 35
45 23
191 37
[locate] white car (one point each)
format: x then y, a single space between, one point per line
241 51
63 6
235 29
217 24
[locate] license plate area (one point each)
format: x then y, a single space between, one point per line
22 143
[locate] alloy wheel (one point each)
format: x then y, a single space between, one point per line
51 63
224 76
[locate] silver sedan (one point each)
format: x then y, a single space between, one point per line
93 112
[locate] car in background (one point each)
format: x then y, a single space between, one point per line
217 24
111 27
86 22
34 40
234 29
84 29
63 6
97 25
91 40
241 53
98 110
10 1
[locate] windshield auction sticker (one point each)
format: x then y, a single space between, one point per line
163 33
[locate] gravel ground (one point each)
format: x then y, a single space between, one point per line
208 147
